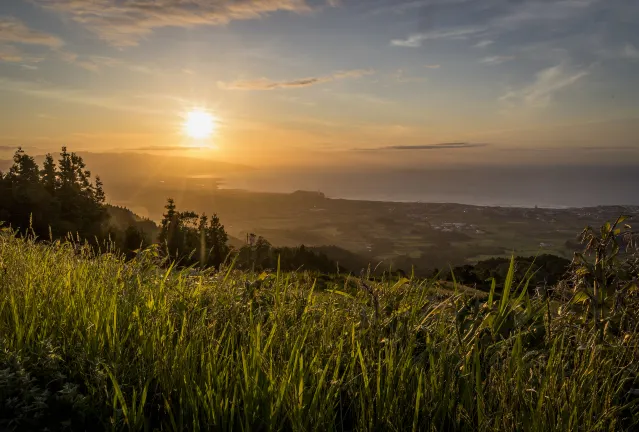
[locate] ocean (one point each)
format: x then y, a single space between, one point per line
525 186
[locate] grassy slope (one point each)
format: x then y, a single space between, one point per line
99 344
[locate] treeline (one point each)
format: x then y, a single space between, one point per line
543 271
54 200
61 200
191 239
259 254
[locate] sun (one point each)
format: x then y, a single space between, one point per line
199 124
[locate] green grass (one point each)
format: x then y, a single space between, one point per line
93 343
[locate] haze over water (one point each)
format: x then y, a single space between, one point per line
528 186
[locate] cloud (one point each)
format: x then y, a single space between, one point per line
493 19
432 66
630 52
606 148
484 43
416 40
11 54
15 31
125 22
527 12
442 146
165 148
495 60
401 77
69 95
547 83
267 84
95 63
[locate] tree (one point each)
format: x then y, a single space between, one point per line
24 169
57 199
170 229
48 174
190 238
26 203
134 239
218 239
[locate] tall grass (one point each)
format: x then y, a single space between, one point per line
94 343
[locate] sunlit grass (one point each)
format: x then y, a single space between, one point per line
96 343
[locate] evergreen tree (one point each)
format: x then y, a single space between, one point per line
59 200
169 229
99 192
217 238
48 174
24 169
189 238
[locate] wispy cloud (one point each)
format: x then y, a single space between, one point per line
495 60
95 63
415 40
11 54
125 23
401 77
48 91
547 84
630 52
441 146
267 84
484 43
15 31
493 20
166 148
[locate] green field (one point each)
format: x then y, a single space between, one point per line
94 343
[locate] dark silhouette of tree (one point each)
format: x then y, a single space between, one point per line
48 175
259 254
134 239
189 238
544 270
218 239
52 201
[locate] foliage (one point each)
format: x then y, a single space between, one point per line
610 280
189 238
542 271
54 201
92 342
258 255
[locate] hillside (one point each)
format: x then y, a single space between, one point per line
401 235
89 342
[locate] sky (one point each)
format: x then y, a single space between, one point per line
326 82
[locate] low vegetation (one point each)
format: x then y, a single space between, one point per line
94 342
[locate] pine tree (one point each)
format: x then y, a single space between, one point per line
169 228
48 174
24 169
99 191
65 173
218 241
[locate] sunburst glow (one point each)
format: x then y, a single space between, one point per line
199 124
